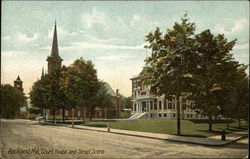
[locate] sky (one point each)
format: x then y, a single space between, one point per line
109 33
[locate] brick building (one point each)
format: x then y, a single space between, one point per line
146 104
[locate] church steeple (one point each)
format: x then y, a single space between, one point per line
54 60
54 49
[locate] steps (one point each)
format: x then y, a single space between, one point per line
137 116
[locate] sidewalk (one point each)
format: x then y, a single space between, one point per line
210 141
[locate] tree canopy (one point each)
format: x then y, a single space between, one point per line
199 67
11 101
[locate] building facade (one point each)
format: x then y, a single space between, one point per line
146 104
55 63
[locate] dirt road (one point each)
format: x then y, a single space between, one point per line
28 140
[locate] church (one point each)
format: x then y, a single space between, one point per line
55 62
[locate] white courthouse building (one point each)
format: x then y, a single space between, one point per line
147 105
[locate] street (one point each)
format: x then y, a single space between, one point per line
27 139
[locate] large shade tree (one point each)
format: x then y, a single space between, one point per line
213 56
172 61
196 66
80 84
47 93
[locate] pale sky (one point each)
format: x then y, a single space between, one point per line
111 34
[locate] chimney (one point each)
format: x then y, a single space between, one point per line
117 92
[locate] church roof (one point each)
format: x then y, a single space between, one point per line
54 50
110 91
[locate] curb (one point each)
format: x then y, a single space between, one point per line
172 140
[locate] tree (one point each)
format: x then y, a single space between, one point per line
235 91
39 94
80 84
126 102
102 99
11 101
172 61
47 93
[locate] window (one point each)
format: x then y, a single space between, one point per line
78 113
66 113
184 104
165 104
174 115
159 115
165 115
135 106
187 115
196 115
151 115
155 104
169 105
160 106
191 115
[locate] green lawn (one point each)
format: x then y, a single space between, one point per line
188 128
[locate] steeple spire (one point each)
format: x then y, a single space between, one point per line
54 50
54 60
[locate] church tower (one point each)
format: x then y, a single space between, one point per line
18 84
54 60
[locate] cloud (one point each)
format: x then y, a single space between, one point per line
89 45
242 46
61 33
114 57
240 26
106 39
136 19
11 54
21 38
95 19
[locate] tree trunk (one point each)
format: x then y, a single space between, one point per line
227 121
72 117
210 121
90 114
178 118
45 115
63 114
239 123
83 118
54 115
